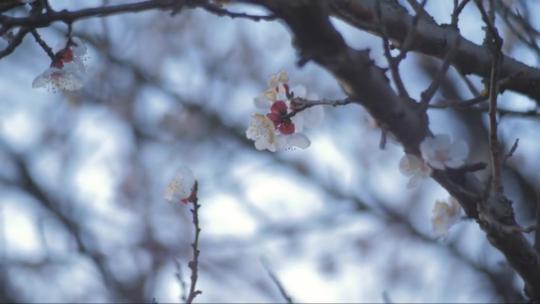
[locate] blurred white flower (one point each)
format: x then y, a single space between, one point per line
415 168
284 132
440 152
180 188
67 70
68 78
445 215
278 79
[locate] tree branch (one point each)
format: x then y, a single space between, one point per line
433 40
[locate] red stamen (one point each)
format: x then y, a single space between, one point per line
287 127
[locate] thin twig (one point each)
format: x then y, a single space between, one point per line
215 9
512 150
194 263
300 104
474 91
428 94
495 43
459 104
15 42
458 8
43 44
277 282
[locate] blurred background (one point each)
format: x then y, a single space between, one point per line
82 175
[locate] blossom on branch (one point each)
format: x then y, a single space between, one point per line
414 167
66 71
281 126
445 215
181 187
440 152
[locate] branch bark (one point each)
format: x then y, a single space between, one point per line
434 40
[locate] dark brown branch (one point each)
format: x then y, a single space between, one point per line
15 42
44 20
43 44
431 39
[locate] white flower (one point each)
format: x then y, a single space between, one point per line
440 152
445 215
261 131
181 186
278 128
278 79
415 168
67 70
68 78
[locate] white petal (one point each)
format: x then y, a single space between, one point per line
262 102
313 116
426 149
298 140
409 164
437 164
440 141
459 150
68 82
298 121
261 131
181 186
43 79
413 181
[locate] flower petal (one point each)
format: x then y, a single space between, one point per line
440 141
298 140
459 149
181 186
313 116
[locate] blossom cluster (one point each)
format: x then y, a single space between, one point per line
438 152
281 123
67 69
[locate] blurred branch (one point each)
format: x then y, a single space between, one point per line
277 282
38 19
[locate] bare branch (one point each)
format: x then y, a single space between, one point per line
194 263
277 282
495 43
